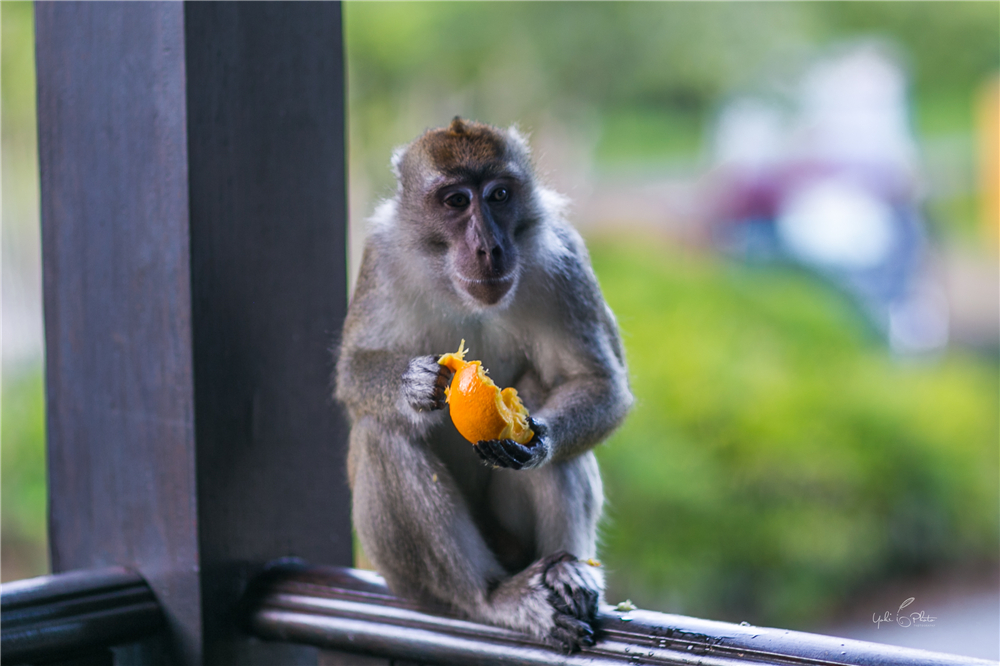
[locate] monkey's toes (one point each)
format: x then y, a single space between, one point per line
571 590
571 633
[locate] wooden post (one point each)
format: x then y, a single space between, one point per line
193 222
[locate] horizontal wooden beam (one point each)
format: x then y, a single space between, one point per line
72 614
351 610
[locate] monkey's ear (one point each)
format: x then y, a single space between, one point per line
457 125
397 160
519 139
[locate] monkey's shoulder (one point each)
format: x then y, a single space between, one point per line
562 280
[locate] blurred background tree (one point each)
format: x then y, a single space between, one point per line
781 460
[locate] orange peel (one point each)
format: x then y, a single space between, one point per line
479 409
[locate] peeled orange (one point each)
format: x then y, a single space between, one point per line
479 409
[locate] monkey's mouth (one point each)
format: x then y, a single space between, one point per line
488 291
489 281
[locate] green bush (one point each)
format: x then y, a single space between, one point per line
778 457
22 476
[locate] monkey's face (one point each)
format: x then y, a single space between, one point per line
477 221
466 199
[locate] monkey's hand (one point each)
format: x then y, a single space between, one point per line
508 453
424 382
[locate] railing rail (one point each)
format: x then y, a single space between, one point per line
352 610
72 614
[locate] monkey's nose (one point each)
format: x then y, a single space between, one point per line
492 260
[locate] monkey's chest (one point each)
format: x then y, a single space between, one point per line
498 350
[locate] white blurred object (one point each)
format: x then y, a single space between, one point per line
854 110
836 224
833 187
750 133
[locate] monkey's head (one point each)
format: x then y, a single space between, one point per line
467 204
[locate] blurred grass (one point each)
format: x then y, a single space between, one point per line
778 458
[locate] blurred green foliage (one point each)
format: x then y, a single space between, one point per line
778 459
22 418
17 83
951 46
638 138
614 68
23 500
22 444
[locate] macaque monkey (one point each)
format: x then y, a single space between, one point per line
472 247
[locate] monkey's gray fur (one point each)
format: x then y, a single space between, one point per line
472 247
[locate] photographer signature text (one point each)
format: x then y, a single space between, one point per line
913 619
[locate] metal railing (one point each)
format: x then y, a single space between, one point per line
352 610
83 613
73 615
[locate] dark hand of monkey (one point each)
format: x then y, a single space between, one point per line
424 382
508 453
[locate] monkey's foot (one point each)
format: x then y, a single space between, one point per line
573 592
554 599
571 633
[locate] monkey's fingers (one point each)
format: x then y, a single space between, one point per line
441 382
492 454
485 455
444 376
504 453
539 430
424 382
441 379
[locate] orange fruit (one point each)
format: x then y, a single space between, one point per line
479 409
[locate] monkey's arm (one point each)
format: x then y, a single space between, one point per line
390 387
585 368
578 414
393 387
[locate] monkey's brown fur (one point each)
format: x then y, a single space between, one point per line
463 145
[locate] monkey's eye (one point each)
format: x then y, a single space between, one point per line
499 194
456 200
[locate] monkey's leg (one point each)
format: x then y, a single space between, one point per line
557 508
416 528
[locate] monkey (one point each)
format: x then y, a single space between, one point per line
472 246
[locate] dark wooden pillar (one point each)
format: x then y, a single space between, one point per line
193 220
